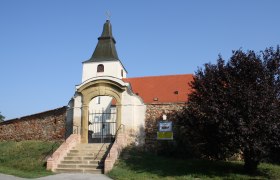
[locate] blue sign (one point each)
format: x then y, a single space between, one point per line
165 130
165 126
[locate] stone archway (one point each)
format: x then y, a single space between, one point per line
92 89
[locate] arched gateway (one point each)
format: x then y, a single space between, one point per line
100 88
103 102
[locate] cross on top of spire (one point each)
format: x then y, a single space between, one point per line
108 15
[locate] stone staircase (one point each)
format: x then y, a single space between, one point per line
84 158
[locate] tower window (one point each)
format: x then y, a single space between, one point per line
122 73
100 68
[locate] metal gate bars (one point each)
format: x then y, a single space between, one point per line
102 126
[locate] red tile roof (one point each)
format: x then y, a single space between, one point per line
162 89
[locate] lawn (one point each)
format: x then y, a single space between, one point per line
135 164
26 158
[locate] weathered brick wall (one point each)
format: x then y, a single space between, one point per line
154 114
49 125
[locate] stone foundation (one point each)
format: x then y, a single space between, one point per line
49 126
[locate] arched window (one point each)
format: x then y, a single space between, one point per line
122 73
100 68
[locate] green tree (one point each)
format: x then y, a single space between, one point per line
234 107
1 118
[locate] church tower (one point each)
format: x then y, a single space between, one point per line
103 104
104 60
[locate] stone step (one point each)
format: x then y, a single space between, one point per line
66 170
88 166
79 166
87 152
85 158
80 162
92 146
76 149
93 158
80 154
67 166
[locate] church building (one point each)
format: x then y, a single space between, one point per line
108 111
107 100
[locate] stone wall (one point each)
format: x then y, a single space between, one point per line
49 125
154 114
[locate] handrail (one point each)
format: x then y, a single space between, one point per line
119 128
99 151
76 130
116 136
51 151
115 149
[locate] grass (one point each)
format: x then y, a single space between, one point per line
135 164
28 159
25 159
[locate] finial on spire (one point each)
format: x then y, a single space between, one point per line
108 15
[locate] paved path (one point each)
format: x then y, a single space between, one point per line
9 177
62 176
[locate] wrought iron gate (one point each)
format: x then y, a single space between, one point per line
102 126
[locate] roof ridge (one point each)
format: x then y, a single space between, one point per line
159 76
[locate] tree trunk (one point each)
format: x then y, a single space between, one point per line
250 162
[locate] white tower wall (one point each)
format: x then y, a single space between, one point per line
111 68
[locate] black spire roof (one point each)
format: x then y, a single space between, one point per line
105 49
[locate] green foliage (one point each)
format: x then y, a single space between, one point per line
235 107
25 158
136 164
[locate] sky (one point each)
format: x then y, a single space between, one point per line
43 43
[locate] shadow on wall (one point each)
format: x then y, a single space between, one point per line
162 147
138 138
69 119
179 146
